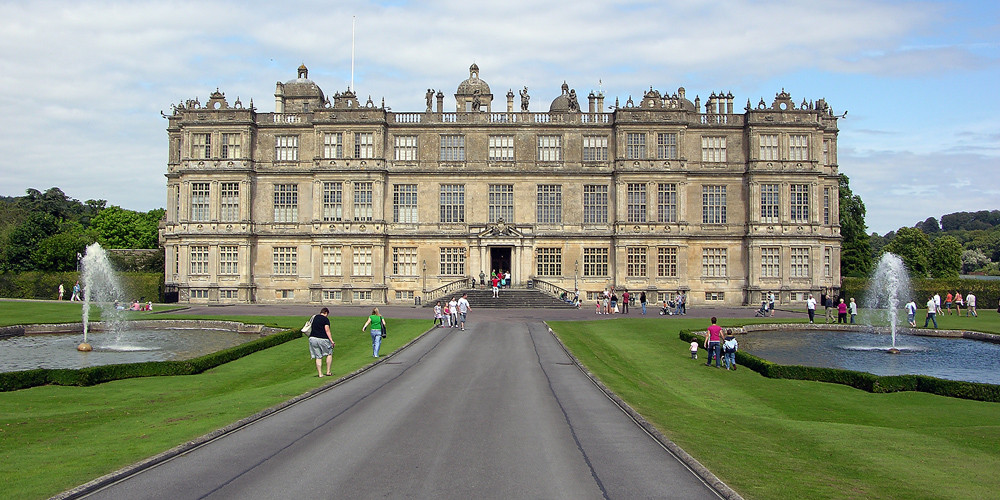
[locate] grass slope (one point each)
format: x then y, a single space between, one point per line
782 439
53 438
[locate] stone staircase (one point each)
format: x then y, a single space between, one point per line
510 298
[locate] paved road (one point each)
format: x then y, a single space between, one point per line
497 411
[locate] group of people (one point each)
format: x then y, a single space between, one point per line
454 312
674 307
842 308
721 349
934 308
498 280
135 306
608 303
321 342
75 297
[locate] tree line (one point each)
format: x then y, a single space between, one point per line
961 243
44 231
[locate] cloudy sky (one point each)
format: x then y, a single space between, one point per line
82 83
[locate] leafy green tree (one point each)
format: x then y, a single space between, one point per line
929 226
946 258
16 254
855 251
913 246
58 252
117 227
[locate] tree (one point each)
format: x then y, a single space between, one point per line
973 260
117 227
23 239
855 251
913 246
58 252
929 226
946 258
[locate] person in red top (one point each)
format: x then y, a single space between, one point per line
947 302
496 286
712 341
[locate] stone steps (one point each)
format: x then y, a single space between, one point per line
509 298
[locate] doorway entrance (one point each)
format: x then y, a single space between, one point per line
500 259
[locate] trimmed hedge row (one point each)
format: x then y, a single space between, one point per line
987 291
12 381
41 285
861 380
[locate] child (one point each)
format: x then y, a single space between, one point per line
694 349
598 307
438 319
729 348
447 314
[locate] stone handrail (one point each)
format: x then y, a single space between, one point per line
446 289
551 288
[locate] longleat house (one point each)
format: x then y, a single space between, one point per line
338 200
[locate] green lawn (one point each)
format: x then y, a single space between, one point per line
782 439
53 438
15 312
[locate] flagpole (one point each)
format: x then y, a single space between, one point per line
353 20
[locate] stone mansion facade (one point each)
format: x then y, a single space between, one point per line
331 200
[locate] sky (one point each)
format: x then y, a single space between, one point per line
82 83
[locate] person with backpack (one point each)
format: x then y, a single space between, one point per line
320 341
378 330
729 348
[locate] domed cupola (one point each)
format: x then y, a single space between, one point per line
473 94
300 95
566 102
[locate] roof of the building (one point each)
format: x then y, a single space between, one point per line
303 86
473 83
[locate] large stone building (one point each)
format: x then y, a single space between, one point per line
333 200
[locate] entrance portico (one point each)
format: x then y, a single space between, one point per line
501 247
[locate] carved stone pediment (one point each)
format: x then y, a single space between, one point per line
498 229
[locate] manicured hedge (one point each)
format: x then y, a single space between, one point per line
861 380
39 285
987 291
12 381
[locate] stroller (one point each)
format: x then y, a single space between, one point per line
762 312
668 308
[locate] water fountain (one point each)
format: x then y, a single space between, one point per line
101 287
888 288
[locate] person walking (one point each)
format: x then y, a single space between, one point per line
496 286
76 293
958 303
61 291
770 303
463 309
811 308
438 316
642 302
729 348
712 341
853 310
453 310
829 305
931 312
971 302
321 342
378 330
911 313
842 312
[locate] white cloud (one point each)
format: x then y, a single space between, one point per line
82 83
